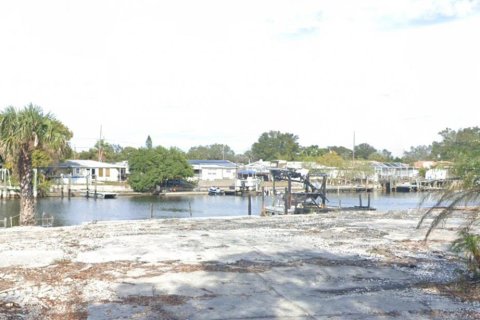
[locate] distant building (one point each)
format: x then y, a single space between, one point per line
424 164
211 170
437 174
393 170
81 170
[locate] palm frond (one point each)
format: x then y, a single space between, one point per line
448 202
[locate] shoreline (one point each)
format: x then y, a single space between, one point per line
337 265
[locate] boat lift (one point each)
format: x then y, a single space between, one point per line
312 199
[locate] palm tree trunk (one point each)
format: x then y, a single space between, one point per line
27 200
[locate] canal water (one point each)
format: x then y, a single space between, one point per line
80 210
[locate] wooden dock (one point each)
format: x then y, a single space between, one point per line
98 195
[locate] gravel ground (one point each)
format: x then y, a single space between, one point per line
337 265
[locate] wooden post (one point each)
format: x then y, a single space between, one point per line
69 186
368 201
88 191
274 191
95 188
151 211
249 204
61 184
263 201
324 190
289 192
360 199
190 208
5 222
286 201
11 221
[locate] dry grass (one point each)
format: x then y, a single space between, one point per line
465 290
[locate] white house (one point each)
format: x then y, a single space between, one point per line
210 170
395 170
438 174
81 170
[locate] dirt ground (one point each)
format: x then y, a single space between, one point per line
337 265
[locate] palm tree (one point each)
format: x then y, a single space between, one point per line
21 133
466 192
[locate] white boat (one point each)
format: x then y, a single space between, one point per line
247 181
215 191
98 195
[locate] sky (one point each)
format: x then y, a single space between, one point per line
199 72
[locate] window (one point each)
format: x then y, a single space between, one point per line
107 172
100 172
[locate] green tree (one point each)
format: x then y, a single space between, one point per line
211 152
152 167
343 152
149 143
331 159
126 153
381 156
22 133
363 151
244 158
418 153
311 153
275 145
103 151
455 143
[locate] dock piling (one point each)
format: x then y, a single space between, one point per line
69 186
262 210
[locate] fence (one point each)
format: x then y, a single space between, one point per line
45 221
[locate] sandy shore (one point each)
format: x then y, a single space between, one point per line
354 265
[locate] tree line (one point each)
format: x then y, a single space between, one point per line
30 138
276 145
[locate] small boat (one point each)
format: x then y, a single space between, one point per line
406 187
215 191
98 195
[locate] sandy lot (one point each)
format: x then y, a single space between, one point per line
338 265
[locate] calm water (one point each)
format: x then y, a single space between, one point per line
80 210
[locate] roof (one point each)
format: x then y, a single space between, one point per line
391 165
88 164
213 163
246 171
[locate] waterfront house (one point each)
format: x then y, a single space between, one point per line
211 170
81 170
394 170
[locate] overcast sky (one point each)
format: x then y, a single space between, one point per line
200 72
